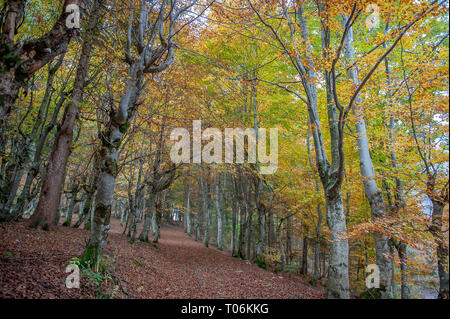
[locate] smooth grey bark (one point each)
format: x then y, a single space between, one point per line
249 238
261 221
156 219
280 246
338 283
217 201
150 211
73 200
400 201
187 212
331 175
234 208
243 211
384 259
138 198
205 191
197 225
271 238
122 211
317 238
403 255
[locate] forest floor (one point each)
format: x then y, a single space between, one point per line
33 262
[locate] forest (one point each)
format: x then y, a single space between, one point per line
292 149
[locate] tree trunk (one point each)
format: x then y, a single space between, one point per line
441 249
280 248
188 211
304 269
271 231
242 219
233 228
51 186
156 221
206 212
149 213
373 194
289 239
402 253
87 206
261 219
73 200
25 196
219 215
338 281
262 230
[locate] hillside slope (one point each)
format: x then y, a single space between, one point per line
32 265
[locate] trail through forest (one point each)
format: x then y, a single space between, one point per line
33 265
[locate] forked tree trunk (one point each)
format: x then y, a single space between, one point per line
399 192
373 193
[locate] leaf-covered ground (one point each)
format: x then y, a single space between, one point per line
32 265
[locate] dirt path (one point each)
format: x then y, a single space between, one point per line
32 265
